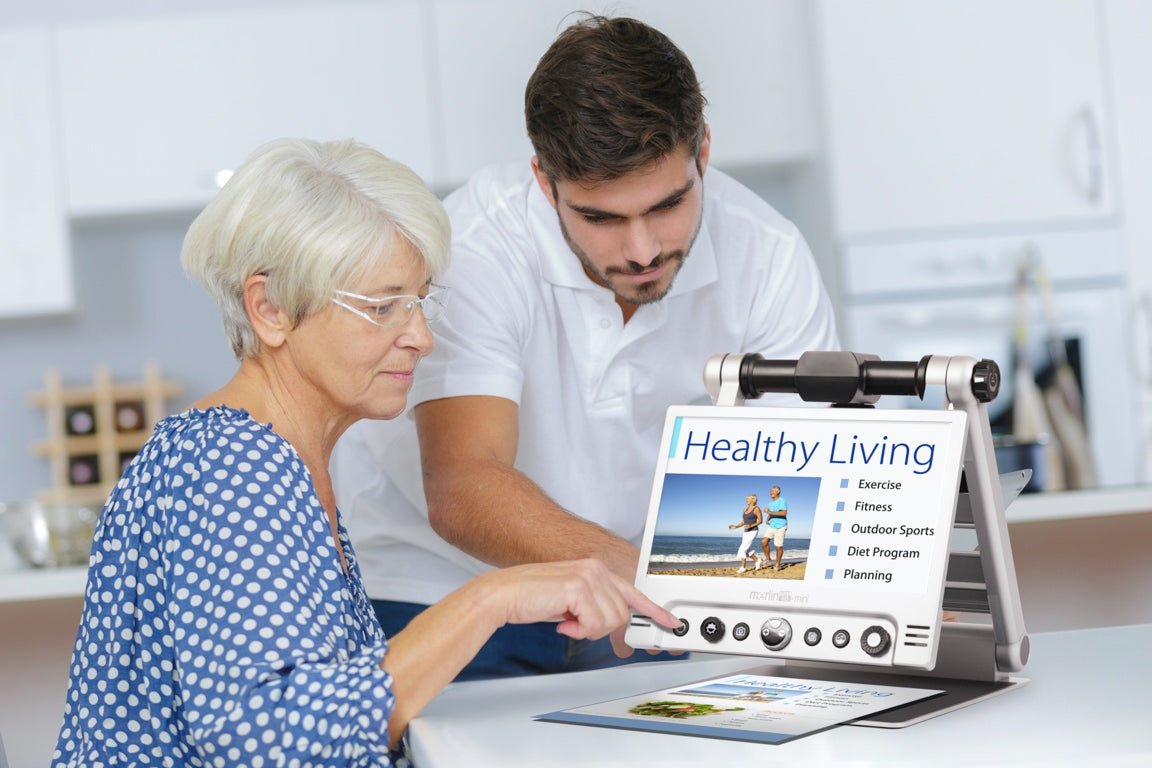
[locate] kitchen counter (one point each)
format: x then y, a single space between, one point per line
42 583
1065 505
47 583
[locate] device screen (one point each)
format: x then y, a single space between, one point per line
833 518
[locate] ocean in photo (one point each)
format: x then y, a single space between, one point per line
681 551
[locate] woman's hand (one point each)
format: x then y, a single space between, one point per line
587 599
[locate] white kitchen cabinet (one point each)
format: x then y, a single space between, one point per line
949 115
748 55
154 106
35 265
1128 29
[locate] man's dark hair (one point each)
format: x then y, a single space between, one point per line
609 97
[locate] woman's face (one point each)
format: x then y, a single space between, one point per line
359 368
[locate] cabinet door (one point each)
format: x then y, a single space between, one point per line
154 107
953 114
753 64
35 267
1127 26
747 54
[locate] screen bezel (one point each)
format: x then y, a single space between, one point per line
811 596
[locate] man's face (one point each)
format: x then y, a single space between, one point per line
633 233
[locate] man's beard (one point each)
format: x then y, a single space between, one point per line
644 293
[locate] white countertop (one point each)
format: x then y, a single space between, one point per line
42 583
1065 505
1086 704
47 583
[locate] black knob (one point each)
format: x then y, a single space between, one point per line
712 629
875 640
986 380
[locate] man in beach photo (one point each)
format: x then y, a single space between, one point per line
777 527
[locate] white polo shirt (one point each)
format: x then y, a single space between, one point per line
524 322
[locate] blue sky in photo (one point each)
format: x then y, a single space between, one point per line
705 505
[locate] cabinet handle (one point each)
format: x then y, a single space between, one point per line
1095 188
1142 340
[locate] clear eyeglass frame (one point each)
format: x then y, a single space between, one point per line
395 311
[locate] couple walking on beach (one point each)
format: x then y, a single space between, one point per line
777 527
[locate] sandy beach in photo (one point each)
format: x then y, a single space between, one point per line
794 570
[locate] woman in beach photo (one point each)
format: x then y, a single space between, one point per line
750 522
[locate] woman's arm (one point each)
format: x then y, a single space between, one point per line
587 599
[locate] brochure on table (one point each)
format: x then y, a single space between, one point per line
769 710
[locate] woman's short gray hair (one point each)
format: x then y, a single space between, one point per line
313 217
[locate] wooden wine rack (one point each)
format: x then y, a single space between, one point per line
93 432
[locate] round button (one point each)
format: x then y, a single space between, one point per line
875 641
681 630
605 323
741 631
841 638
776 633
812 636
712 629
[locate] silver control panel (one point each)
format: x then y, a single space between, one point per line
789 634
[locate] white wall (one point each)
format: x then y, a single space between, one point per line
133 304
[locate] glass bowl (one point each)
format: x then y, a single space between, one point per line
46 535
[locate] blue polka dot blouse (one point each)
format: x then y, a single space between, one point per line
219 627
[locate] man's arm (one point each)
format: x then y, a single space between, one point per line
479 502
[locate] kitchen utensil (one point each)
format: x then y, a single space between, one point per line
46 535
1062 394
1030 422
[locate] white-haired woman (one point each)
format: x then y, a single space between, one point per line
225 620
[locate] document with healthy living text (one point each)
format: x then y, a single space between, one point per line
770 710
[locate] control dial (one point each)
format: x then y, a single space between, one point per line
875 640
985 380
776 633
712 629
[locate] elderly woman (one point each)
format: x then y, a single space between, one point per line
225 621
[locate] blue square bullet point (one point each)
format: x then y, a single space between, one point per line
832 551
828 573
836 528
839 506
844 483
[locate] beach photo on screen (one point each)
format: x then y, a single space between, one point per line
693 537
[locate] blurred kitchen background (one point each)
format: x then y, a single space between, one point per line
947 160
928 150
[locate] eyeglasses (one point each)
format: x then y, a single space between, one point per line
393 311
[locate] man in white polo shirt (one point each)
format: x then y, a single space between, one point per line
588 287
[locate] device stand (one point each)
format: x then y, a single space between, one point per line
977 652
